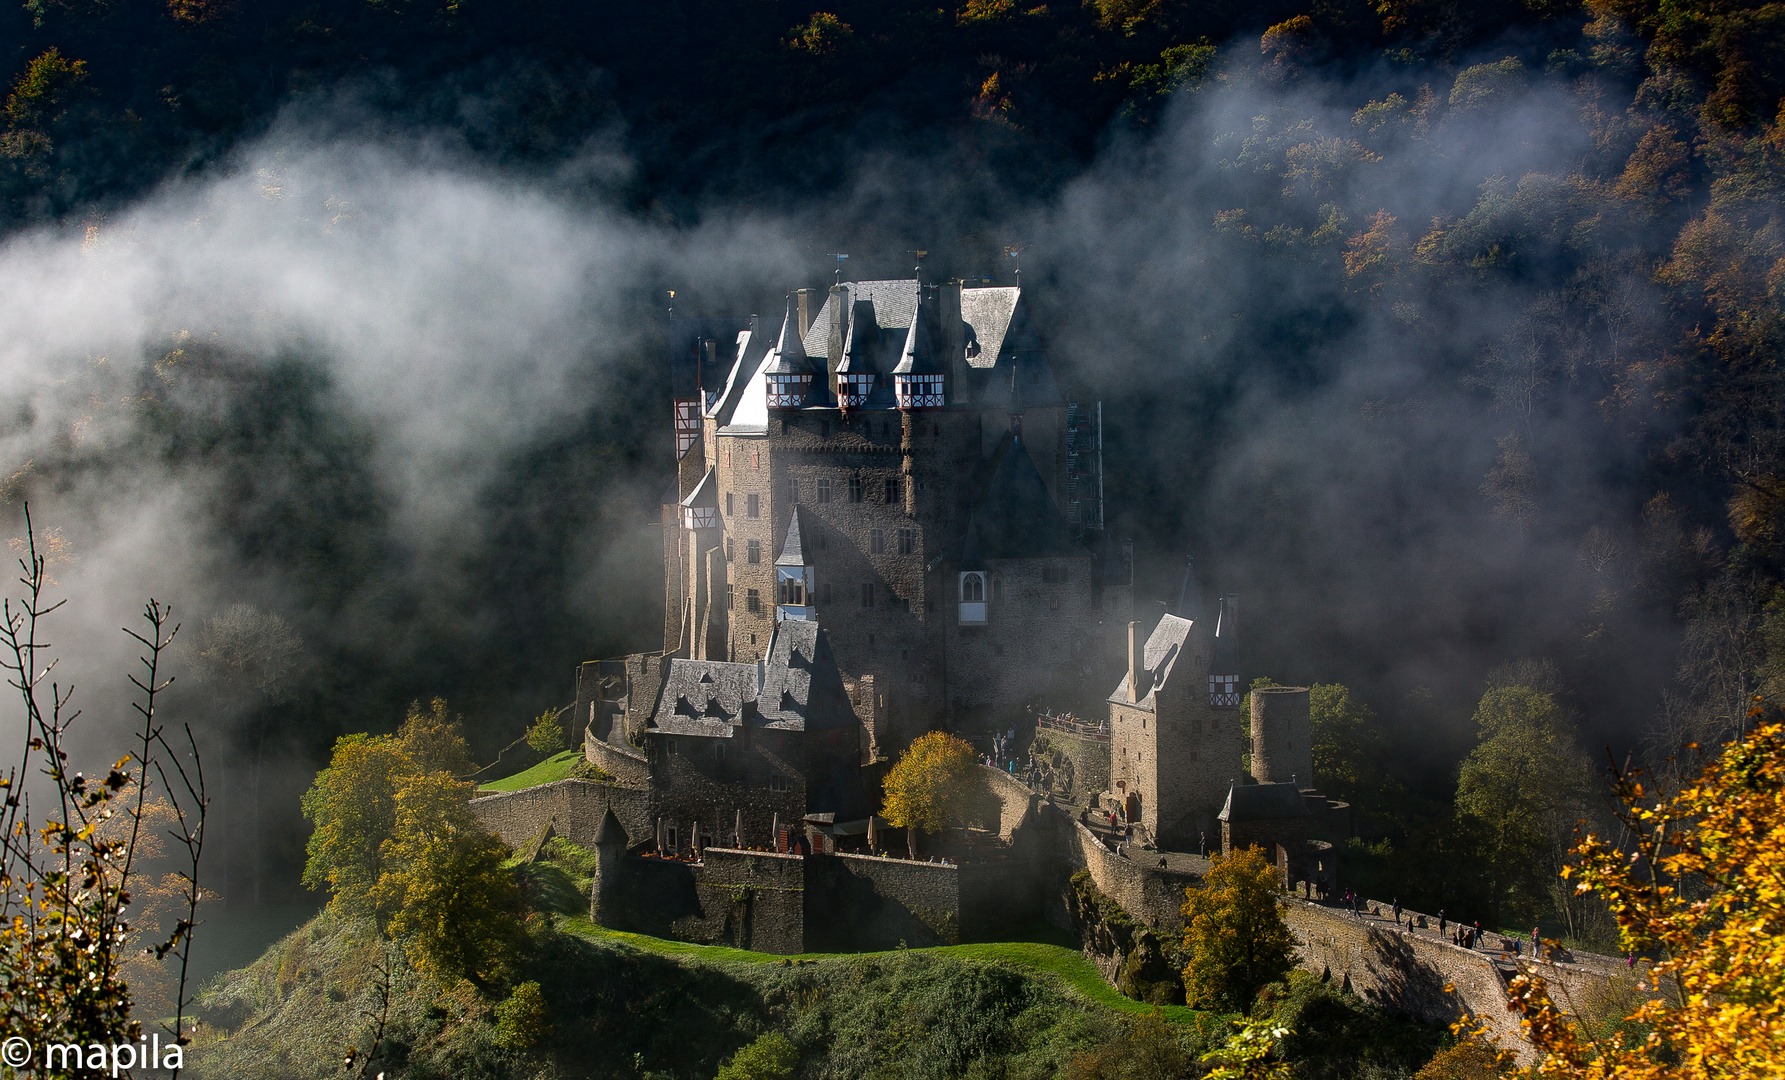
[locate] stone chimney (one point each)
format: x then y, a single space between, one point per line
805 309
1133 661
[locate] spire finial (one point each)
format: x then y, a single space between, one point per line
1014 250
842 257
918 271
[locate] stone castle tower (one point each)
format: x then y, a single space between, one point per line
896 461
1176 734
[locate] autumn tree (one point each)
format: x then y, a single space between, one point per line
353 806
1235 933
395 839
930 786
457 910
1699 879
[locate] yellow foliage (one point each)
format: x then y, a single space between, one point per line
931 783
1701 881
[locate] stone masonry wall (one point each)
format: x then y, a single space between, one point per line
630 769
1152 895
574 808
753 900
1423 977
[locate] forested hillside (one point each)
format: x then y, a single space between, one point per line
1445 334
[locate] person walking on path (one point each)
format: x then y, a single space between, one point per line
1441 922
1536 940
1397 911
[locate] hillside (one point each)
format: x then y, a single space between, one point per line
623 1005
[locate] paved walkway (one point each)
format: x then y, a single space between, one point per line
1495 946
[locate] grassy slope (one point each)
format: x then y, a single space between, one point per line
1057 964
556 767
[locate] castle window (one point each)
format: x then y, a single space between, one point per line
730 548
907 541
753 601
753 506
1053 603
777 782
728 507
877 541
892 490
824 594
824 488
719 753
730 600
870 641
793 491
1053 575
669 835
997 587
756 459
753 553
669 747
972 587
855 489
867 594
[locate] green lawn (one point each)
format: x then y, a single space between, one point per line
1057 963
556 767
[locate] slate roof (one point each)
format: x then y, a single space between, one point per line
918 357
611 831
1016 517
1165 644
796 687
865 346
705 493
789 355
988 312
894 304
1263 802
793 549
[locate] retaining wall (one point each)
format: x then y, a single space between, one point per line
574 808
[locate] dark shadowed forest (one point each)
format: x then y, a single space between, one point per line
1446 335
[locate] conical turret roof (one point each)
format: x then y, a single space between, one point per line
919 356
789 357
861 351
793 549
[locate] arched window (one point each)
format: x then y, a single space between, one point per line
972 588
997 587
972 605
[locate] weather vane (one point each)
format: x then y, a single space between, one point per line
1013 251
841 257
920 253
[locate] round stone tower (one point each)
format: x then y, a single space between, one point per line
1282 736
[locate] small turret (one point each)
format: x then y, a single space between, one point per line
918 380
610 848
1224 663
700 510
857 371
788 372
793 577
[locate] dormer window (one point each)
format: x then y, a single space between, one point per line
972 605
853 388
787 391
1224 691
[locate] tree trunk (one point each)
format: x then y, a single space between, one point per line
911 840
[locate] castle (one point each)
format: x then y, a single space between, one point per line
887 519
